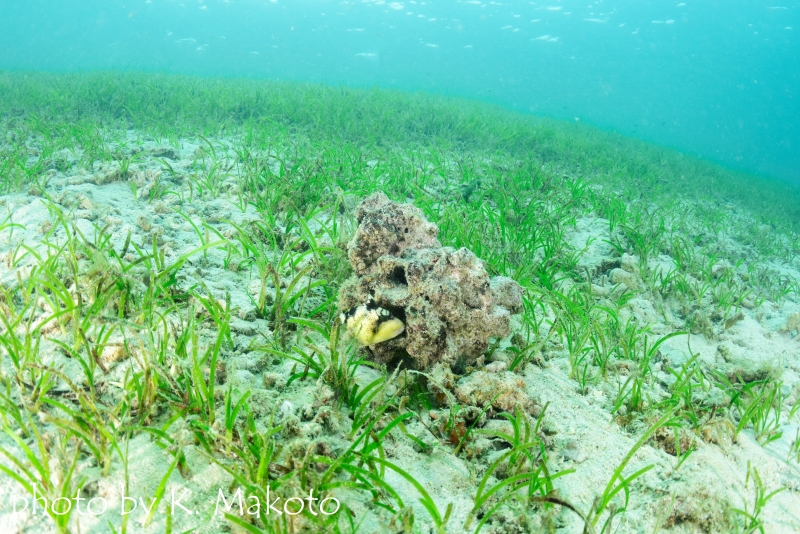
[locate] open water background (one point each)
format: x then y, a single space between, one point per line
719 79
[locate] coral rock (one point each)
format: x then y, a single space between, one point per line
387 228
445 297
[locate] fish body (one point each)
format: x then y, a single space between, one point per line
371 324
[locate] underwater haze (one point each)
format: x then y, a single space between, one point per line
716 79
451 267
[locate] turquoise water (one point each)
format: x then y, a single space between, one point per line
717 79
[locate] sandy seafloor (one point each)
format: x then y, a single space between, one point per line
580 432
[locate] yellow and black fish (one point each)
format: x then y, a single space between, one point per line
371 324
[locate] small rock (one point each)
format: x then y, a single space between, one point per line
573 452
143 223
274 381
506 391
793 324
497 367
243 327
620 276
630 264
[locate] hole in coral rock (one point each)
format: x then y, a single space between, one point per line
459 367
400 359
398 276
397 311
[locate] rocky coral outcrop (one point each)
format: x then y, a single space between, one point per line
446 299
